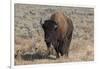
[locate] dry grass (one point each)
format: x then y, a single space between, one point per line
77 52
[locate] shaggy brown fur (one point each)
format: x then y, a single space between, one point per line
58 32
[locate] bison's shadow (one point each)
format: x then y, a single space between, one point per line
34 56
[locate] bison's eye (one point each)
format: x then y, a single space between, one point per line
55 27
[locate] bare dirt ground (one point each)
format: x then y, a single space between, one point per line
30 47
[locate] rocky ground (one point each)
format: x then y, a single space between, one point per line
30 47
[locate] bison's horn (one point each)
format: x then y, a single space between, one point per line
41 21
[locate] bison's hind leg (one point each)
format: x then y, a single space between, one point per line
67 44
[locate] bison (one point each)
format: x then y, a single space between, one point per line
58 32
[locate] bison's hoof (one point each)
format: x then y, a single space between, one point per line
57 56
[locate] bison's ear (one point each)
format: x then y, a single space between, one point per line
56 26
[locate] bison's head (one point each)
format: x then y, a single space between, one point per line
50 28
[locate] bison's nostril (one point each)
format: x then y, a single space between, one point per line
35 48
45 40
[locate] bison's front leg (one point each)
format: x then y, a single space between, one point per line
56 44
57 52
48 46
